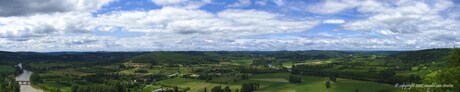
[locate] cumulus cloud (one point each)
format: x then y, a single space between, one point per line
25 19
331 6
279 2
169 26
408 20
430 22
168 2
241 3
191 4
233 22
45 25
182 25
453 14
142 43
30 7
334 21
261 2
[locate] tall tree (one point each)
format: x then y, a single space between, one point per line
448 75
333 79
35 78
227 89
217 89
176 89
454 57
328 84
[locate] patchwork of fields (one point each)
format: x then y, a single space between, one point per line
237 71
277 82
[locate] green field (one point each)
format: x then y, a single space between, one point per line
242 62
317 84
278 82
6 69
287 64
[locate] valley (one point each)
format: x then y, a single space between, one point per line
219 71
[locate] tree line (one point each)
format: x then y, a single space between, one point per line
295 79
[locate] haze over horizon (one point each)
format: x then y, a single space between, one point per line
227 25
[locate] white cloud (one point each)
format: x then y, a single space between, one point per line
375 6
409 20
190 21
332 6
206 1
428 23
180 25
168 2
261 2
142 43
240 3
279 2
31 7
190 4
406 14
45 25
454 14
168 28
334 21
27 19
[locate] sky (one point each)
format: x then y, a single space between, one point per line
228 25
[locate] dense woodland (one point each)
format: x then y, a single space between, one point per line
8 84
7 80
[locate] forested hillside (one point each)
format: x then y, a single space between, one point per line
173 58
422 56
67 56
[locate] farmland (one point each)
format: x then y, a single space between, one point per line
313 71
